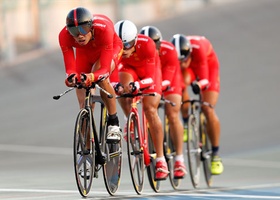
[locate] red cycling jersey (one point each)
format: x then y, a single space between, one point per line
105 46
204 62
170 67
144 63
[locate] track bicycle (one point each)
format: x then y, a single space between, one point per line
198 144
168 145
140 149
90 150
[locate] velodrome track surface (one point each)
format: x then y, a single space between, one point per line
36 131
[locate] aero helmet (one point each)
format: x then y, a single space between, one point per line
127 31
79 21
182 45
153 33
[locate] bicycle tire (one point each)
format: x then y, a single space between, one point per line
135 153
113 156
155 185
84 152
194 150
206 151
170 153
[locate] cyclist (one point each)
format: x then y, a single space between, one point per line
198 60
139 69
171 75
97 52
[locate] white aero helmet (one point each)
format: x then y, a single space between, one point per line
127 31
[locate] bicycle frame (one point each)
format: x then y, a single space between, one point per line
90 145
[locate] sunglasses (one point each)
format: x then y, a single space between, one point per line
128 45
81 29
183 59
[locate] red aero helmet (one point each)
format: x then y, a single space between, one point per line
79 21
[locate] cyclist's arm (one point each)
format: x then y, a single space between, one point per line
67 52
170 64
200 62
106 57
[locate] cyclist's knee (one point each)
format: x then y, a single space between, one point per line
172 116
210 114
208 110
150 111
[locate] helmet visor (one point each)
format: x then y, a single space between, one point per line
185 54
82 29
128 45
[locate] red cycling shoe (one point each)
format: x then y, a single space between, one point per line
161 171
179 170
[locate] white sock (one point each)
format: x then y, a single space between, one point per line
160 159
179 158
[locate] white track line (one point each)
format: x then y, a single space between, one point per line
36 149
178 193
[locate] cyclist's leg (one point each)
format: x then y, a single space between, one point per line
213 123
150 105
175 124
187 77
185 106
176 132
126 76
114 133
84 67
213 129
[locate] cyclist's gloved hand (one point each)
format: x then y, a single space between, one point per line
87 79
71 80
134 87
119 89
165 85
195 87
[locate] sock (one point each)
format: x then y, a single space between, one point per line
160 159
113 120
179 158
215 150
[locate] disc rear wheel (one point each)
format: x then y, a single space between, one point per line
113 161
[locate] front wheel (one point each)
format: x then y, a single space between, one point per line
135 153
84 153
206 151
194 150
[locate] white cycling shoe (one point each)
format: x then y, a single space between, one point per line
114 134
